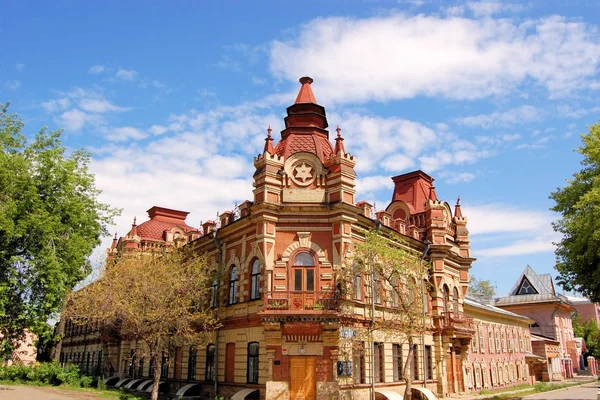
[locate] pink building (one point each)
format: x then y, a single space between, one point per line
499 350
534 296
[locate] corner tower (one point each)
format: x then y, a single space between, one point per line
304 167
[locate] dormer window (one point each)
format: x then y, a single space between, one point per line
526 287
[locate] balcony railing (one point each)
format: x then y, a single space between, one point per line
301 302
457 323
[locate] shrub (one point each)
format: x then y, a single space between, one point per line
125 395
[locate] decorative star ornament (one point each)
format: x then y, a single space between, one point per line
303 172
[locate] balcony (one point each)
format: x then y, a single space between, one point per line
457 324
293 302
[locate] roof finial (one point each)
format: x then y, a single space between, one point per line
269 142
457 211
134 227
305 95
339 142
114 242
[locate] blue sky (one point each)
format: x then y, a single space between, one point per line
174 98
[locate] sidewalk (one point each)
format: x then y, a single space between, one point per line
577 381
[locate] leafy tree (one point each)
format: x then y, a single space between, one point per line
400 278
481 287
161 301
50 221
588 330
578 252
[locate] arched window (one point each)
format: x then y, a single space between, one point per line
455 299
233 285
252 366
303 270
491 339
255 280
209 370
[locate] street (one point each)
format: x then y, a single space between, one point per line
9 392
583 392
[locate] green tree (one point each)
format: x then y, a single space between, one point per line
588 330
396 281
50 221
160 301
578 252
481 287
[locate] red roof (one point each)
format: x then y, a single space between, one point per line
162 219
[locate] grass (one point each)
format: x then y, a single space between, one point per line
539 387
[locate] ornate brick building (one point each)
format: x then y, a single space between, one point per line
286 329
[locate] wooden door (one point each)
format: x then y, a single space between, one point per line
229 362
303 384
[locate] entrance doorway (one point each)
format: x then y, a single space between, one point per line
303 383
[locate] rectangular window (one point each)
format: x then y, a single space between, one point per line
397 360
210 363
357 287
481 340
151 367
252 366
429 362
164 366
310 279
298 280
358 355
379 363
415 362
141 367
377 288
192 363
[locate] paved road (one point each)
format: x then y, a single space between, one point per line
584 392
43 393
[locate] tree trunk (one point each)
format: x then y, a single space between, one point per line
157 371
408 370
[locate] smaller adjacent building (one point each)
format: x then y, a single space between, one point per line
25 353
499 347
534 296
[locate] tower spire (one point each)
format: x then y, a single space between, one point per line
339 142
269 142
457 211
134 227
305 95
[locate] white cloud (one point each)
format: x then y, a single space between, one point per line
75 119
56 105
97 69
370 184
124 133
397 163
99 105
400 56
158 129
456 177
565 110
19 66
488 8
518 115
12 85
513 230
522 247
498 140
126 74
502 218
